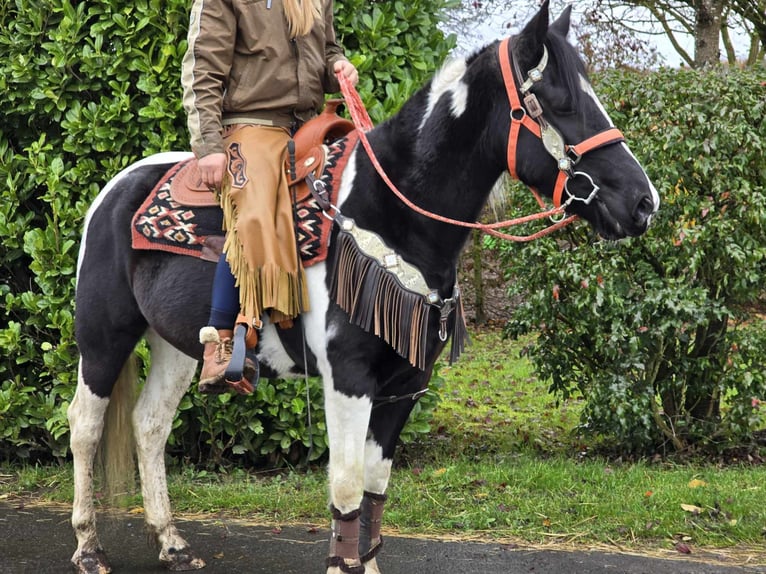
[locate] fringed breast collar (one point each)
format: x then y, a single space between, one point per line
387 296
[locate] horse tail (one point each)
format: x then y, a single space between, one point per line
117 454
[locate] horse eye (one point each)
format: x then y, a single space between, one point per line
565 109
562 106
558 102
562 103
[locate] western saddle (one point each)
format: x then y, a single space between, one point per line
307 161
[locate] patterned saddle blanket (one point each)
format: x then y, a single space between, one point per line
179 217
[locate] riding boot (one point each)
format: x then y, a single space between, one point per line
217 356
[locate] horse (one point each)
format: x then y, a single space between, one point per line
522 105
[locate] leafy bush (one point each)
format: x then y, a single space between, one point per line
270 428
657 332
86 88
395 46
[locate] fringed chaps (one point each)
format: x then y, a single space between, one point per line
389 297
344 542
260 237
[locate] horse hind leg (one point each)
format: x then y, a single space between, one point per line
86 417
169 377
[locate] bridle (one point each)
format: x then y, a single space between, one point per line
529 114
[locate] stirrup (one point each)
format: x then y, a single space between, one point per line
234 374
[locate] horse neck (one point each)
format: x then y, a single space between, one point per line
447 172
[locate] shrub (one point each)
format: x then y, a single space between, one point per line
86 88
657 332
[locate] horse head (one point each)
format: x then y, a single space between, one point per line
561 140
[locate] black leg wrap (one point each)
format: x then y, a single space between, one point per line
338 515
375 496
370 540
372 552
338 562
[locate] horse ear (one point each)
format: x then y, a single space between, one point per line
561 25
530 40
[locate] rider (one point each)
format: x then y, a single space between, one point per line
252 74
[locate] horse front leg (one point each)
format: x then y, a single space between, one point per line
377 475
86 425
347 421
167 382
386 423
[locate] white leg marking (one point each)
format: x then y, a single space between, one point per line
86 424
156 159
371 567
377 470
347 422
168 380
347 418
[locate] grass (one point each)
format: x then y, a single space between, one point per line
503 462
492 402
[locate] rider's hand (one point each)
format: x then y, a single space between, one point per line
348 70
211 169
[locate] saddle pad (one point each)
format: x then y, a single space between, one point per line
163 224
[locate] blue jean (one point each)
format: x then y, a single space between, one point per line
224 306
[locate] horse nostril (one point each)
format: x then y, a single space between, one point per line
643 210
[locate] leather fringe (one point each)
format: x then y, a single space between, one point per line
376 301
460 335
267 287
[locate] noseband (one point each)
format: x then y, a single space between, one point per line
530 115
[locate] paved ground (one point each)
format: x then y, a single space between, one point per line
39 540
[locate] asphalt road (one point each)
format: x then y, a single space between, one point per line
39 540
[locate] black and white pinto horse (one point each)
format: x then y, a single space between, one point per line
444 150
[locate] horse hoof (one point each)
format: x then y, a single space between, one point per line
181 560
92 563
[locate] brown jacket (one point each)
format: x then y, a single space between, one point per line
242 65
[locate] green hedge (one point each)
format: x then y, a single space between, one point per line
86 88
658 333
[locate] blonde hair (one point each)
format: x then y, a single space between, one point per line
301 15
